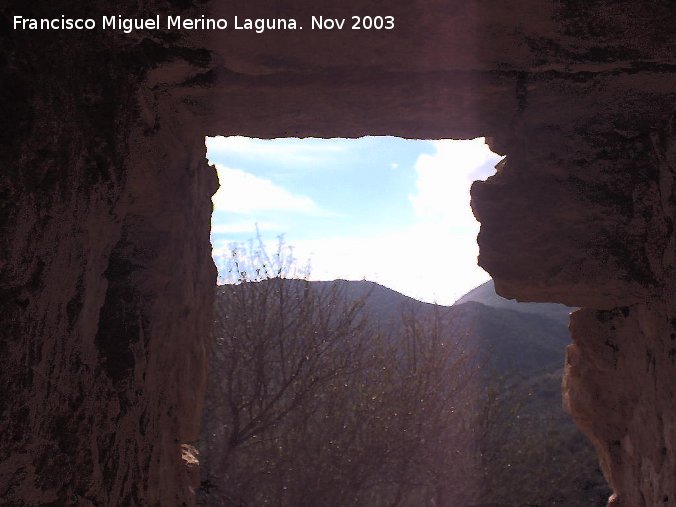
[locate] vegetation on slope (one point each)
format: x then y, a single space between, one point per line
348 393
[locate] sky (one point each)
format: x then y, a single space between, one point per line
385 209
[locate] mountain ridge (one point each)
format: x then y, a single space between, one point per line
543 459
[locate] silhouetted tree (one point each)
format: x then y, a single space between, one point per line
312 403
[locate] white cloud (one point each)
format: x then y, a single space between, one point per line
421 261
291 150
241 227
243 192
434 259
444 179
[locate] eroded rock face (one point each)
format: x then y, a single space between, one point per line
105 274
607 244
632 425
106 277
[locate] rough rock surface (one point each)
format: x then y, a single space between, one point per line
582 212
105 275
632 425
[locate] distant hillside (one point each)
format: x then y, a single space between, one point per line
383 303
513 342
541 459
545 460
512 337
485 294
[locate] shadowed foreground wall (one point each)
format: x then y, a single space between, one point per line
105 274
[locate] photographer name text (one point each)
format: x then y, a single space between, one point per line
258 25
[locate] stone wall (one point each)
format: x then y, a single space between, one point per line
105 274
105 271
